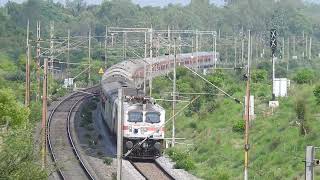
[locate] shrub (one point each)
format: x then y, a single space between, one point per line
316 93
186 164
304 76
193 125
182 159
238 126
259 75
301 116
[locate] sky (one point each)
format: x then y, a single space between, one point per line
146 2
140 2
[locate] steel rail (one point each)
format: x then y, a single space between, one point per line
151 163
75 150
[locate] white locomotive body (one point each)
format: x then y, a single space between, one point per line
141 119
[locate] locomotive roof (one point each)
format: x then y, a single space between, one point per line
131 66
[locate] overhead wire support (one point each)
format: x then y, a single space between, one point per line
105 48
89 56
68 56
27 86
52 48
174 90
151 66
38 59
247 117
145 64
44 116
119 134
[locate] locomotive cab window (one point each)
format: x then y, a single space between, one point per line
135 117
152 117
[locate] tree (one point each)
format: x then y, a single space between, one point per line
17 158
259 76
304 76
11 110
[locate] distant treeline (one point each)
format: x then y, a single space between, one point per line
290 17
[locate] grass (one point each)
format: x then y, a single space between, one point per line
216 141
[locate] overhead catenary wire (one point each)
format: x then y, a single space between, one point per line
225 93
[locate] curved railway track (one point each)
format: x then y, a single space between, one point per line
65 155
151 170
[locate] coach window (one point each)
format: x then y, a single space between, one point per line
135 117
153 117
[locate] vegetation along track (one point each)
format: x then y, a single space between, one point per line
150 169
62 148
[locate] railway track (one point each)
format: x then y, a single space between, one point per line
151 170
65 155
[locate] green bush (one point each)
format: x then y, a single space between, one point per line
301 116
259 75
316 93
187 164
304 76
182 159
239 126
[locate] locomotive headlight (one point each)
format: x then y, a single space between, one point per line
145 145
130 128
157 145
129 144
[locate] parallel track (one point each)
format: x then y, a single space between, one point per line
151 170
62 149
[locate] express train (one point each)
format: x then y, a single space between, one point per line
141 116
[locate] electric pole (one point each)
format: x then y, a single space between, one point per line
105 48
310 47
215 52
235 52
294 45
89 56
174 92
51 47
151 65
247 117
283 48
38 60
169 41
273 45
306 54
288 54
145 64
124 46
27 96
44 115
68 55
309 163
119 134
197 48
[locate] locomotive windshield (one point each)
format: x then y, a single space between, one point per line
152 117
135 117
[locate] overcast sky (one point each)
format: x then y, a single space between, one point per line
144 2
141 2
